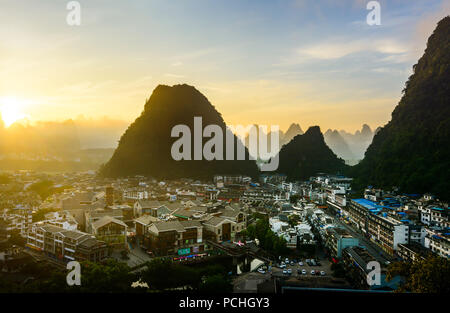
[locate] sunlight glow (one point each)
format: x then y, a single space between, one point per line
11 110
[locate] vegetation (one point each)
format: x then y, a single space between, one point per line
294 199
412 151
46 188
4 179
268 240
40 214
430 275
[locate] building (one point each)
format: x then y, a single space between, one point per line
356 261
142 207
412 251
174 238
434 215
111 231
95 215
373 220
338 239
17 222
66 245
387 232
438 241
109 196
220 229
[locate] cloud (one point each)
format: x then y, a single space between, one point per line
336 50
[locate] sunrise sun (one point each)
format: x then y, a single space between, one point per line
11 110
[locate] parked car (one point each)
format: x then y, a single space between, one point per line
289 271
260 270
300 263
303 271
313 272
285 272
322 273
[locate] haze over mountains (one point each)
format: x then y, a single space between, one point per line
412 151
78 144
350 147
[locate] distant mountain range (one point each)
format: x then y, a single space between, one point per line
58 146
284 138
350 147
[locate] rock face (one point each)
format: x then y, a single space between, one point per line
306 155
412 151
145 147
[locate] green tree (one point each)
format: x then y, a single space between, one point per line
217 283
430 275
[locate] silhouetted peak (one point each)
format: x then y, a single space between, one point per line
313 131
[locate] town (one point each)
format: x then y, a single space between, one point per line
272 235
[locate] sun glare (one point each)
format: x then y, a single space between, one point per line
11 110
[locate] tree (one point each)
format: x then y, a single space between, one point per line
164 274
217 283
40 214
430 275
16 238
294 198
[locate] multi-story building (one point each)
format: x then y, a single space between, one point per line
66 245
387 232
337 239
356 261
94 215
434 215
438 241
374 222
174 237
412 251
142 207
220 229
110 230
133 194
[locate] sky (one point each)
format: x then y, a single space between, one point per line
271 62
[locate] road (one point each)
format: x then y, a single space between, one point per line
370 246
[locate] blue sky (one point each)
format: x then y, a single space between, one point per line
267 62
